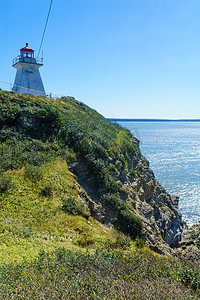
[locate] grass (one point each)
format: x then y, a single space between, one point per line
35 131
31 221
65 274
50 248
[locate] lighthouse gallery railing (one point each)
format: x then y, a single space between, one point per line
19 58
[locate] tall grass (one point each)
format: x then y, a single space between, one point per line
78 275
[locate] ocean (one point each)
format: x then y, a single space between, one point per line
173 150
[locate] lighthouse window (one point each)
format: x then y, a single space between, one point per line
27 55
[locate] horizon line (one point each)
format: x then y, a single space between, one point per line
152 120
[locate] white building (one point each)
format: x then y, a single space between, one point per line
28 79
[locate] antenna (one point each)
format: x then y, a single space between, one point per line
45 27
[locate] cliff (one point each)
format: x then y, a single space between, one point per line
119 188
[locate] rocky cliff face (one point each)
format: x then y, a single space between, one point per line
143 195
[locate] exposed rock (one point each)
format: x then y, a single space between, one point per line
191 253
91 207
163 225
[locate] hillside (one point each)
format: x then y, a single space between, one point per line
75 190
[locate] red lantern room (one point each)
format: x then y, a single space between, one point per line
27 52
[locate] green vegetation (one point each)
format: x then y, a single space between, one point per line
125 220
36 131
50 247
72 206
62 274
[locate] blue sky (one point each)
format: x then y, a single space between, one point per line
124 58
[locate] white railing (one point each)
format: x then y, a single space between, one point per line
20 58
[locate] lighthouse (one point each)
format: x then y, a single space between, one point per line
28 79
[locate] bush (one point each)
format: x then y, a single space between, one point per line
33 172
50 113
98 168
72 206
139 243
113 186
47 191
133 172
5 183
113 201
85 241
128 223
97 150
123 161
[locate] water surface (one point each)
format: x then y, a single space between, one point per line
173 150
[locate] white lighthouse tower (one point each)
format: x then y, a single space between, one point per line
28 79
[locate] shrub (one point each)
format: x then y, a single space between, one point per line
139 243
85 241
47 190
112 168
113 186
33 172
133 172
69 155
128 223
97 150
113 201
50 112
98 168
72 206
5 183
123 161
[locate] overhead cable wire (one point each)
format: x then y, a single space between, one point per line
45 27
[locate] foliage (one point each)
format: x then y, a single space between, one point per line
189 277
78 258
46 190
18 150
72 206
33 172
102 275
73 125
36 134
126 221
120 242
139 243
98 169
146 161
5 183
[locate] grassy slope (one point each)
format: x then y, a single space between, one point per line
38 137
31 222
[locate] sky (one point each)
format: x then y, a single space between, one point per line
124 58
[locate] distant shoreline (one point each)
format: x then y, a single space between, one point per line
152 120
